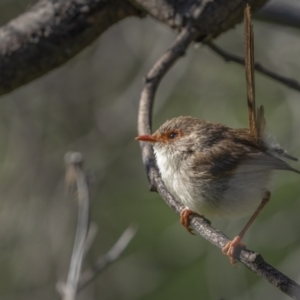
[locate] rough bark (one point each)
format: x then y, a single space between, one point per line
50 33
53 31
215 17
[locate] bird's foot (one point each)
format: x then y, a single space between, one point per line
184 218
230 248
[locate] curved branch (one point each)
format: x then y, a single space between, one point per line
76 175
77 180
251 260
50 33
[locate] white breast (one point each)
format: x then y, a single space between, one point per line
178 183
243 193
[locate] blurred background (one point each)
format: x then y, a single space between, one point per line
90 105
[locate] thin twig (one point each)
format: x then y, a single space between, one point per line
251 260
105 260
90 238
74 165
77 181
152 81
292 83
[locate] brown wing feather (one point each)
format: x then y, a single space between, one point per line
237 152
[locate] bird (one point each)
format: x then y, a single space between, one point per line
217 171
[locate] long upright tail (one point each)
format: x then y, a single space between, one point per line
257 121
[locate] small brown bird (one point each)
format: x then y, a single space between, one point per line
215 170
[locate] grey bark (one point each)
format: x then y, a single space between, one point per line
214 18
53 31
50 33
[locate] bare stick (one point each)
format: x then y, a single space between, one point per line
152 81
292 83
74 169
77 181
105 260
251 260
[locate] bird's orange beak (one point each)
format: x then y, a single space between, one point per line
147 138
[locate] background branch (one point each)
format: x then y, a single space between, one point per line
251 260
51 32
74 163
76 180
257 66
107 259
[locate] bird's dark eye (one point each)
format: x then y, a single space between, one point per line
172 135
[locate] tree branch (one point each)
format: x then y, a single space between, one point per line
251 260
215 18
74 163
107 259
50 33
77 181
53 31
257 66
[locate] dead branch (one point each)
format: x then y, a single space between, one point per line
251 260
215 17
77 182
292 83
107 259
51 32
74 163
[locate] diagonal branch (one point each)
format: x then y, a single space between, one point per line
292 83
107 259
50 33
251 260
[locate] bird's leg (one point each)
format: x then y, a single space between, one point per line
230 248
184 218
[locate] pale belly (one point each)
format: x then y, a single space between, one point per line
232 196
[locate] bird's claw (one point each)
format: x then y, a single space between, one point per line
185 221
230 248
